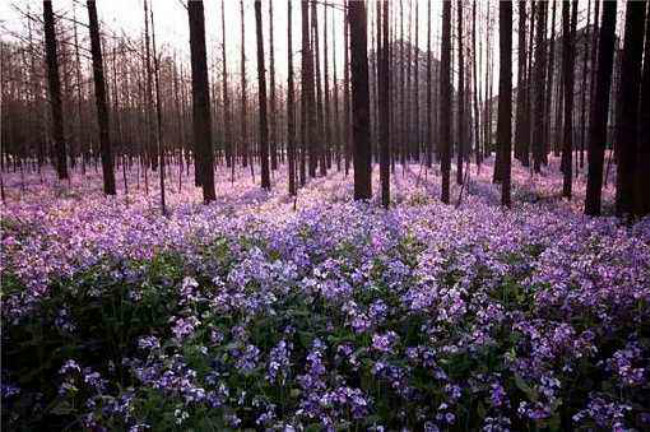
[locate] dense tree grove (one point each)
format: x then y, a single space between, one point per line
294 215
466 106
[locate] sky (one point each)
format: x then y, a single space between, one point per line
172 29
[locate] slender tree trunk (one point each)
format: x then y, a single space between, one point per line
273 127
477 140
627 124
308 112
600 109
642 183
360 100
445 90
230 160
346 91
100 100
429 139
504 127
159 119
318 142
461 97
261 90
540 89
244 101
55 90
201 99
291 133
568 52
585 89
550 73
384 104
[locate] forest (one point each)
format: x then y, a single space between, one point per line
336 215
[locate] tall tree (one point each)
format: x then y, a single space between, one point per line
522 82
461 97
569 23
600 109
291 117
642 184
230 160
504 125
273 127
307 103
244 100
360 100
100 100
628 100
201 99
261 91
55 90
384 104
159 120
539 87
445 92
429 138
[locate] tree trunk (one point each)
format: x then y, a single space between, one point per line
307 107
230 158
159 131
504 127
445 91
261 90
100 100
568 52
384 104
291 133
600 109
360 100
429 138
201 99
642 183
273 129
628 99
540 88
461 97
55 90
244 116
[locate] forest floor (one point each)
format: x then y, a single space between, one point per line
261 311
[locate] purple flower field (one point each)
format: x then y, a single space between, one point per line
260 312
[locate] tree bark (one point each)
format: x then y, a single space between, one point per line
504 126
568 51
445 91
360 100
384 104
600 109
55 90
261 90
642 183
201 99
291 133
628 99
100 100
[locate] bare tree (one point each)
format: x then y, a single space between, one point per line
504 127
627 122
568 52
100 100
445 91
360 100
600 109
55 90
291 133
261 84
201 99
